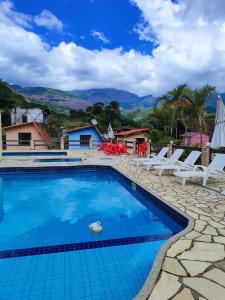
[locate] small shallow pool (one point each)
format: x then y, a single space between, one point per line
32 153
58 160
47 250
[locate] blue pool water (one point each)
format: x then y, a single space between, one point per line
58 160
40 211
30 153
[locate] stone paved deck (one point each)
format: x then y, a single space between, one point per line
194 266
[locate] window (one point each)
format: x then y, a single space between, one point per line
84 140
24 138
24 119
140 140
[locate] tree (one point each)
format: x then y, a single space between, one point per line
171 102
112 111
196 100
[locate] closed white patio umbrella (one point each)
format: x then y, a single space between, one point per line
218 139
110 132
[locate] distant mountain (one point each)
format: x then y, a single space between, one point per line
80 99
52 96
126 99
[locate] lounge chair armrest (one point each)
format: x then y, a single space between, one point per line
200 168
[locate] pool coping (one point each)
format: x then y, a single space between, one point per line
155 271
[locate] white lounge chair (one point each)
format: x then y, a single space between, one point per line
175 156
187 164
215 170
159 156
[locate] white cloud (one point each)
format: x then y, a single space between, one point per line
190 39
100 36
9 15
27 60
48 20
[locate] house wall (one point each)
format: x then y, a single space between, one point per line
32 114
12 138
196 139
74 138
132 137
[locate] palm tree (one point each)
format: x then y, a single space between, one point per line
196 100
171 102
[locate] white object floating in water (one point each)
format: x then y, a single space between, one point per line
96 227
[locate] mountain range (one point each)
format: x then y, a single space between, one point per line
81 99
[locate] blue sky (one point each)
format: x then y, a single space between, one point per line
142 46
116 19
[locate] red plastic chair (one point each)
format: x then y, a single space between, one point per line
142 149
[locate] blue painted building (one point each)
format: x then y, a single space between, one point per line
79 138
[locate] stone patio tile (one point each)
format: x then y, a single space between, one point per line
200 225
221 207
222 231
195 267
200 205
205 287
219 239
192 214
204 218
185 294
210 230
220 264
178 247
198 210
204 252
216 224
216 275
173 266
192 235
204 238
167 286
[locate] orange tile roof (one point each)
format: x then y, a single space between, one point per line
133 131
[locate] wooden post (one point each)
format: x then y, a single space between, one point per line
205 158
170 152
32 145
149 148
134 146
62 143
90 144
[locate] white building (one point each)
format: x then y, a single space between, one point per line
21 115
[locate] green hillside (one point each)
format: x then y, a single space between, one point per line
29 91
10 98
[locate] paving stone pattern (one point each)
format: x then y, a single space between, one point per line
194 266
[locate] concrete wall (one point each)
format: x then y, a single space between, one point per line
12 138
74 138
32 114
196 139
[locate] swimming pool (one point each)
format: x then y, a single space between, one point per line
46 248
58 160
31 153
